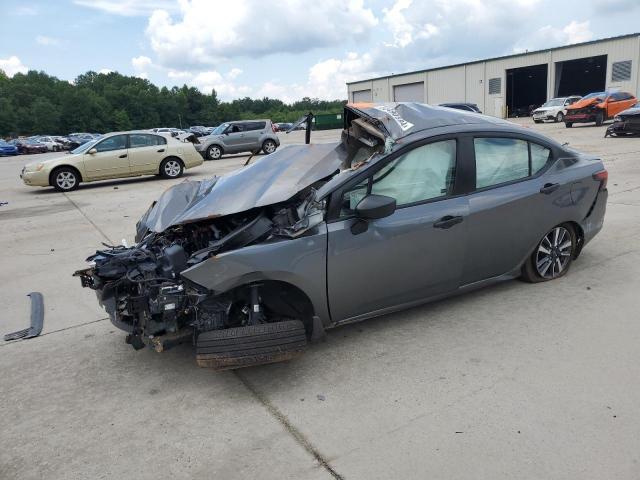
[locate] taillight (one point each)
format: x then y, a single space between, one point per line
602 176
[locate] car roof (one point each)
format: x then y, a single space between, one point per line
400 119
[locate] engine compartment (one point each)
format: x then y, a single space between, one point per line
141 289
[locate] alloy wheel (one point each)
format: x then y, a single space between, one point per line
554 253
214 152
66 180
172 168
269 146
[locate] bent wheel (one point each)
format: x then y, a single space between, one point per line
252 345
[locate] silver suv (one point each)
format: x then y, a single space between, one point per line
236 137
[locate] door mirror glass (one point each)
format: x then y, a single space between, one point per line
374 206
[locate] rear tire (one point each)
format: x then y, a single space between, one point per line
252 345
171 168
65 179
553 256
269 146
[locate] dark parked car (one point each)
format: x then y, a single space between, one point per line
626 122
469 107
29 146
415 203
7 148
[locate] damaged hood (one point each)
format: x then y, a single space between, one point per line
268 180
399 119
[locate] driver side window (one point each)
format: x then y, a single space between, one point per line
117 142
424 173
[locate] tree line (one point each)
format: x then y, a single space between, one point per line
37 103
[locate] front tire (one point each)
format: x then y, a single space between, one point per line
269 146
214 152
250 345
559 117
599 119
568 124
553 256
65 179
537 121
171 168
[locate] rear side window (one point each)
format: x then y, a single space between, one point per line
502 160
254 126
137 140
540 156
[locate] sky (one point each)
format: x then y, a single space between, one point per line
288 49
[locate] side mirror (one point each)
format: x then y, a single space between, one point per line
92 151
373 207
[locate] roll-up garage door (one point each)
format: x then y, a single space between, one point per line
362 96
409 92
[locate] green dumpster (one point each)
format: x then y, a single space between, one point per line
327 121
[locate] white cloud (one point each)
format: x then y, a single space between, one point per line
177 74
205 32
105 71
26 10
47 41
12 65
224 85
141 66
128 8
548 36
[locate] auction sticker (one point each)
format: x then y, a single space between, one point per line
404 125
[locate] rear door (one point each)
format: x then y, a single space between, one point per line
415 253
146 151
110 160
519 196
253 134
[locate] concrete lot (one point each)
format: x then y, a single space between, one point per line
514 381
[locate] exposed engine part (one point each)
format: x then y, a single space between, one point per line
142 290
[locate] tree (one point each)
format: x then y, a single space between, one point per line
37 103
121 120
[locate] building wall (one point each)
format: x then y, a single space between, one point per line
470 82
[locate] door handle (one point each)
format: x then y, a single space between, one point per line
549 188
447 222
124 155
161 150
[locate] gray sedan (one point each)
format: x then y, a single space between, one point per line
416 203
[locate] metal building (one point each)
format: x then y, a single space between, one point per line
507 85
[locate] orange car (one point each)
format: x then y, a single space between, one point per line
598 107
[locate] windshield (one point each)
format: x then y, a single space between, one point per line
219 130
556 102
2 142
84 147
595 95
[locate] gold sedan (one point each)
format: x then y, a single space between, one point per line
115 155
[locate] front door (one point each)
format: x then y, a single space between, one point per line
110 159
235 138
414 254
146 151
